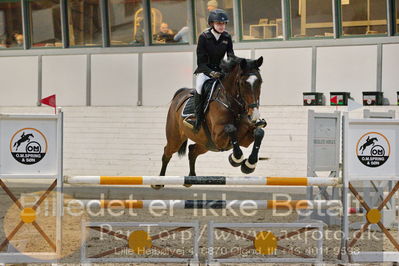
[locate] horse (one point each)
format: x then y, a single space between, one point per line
232 118
22 139
367 143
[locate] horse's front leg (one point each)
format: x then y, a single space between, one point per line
236 158
249 165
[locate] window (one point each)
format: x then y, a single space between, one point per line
11 25
311 18
202 8
360 17
169 20
397 15
45 23
126 22
84 19
261 19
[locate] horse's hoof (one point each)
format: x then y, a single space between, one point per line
234 162
247 168
188 185
157 187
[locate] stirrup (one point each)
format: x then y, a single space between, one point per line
188 122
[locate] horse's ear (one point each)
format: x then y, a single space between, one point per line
243 64
259 61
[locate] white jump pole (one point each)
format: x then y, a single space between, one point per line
208 204
203 180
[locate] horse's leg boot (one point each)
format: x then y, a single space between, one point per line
198 112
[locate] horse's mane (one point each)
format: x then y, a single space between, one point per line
228 65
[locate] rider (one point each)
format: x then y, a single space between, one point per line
213 44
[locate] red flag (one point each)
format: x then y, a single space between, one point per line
334 99
50 101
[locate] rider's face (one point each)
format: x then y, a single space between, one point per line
219 26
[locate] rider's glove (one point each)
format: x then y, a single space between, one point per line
261 123
215 74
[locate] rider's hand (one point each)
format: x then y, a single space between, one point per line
215 74
261 123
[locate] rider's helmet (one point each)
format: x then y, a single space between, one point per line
218 15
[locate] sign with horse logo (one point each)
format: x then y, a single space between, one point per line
373 149
28 146
370 148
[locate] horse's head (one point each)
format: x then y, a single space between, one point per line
245 84
249 86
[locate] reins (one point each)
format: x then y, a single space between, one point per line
243 107
228 106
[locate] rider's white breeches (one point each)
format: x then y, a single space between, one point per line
201 78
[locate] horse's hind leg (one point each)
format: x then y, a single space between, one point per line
168 151
171 148
165 162
194 150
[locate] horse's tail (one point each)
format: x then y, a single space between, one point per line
182 149
178 92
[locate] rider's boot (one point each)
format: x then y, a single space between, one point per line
198 112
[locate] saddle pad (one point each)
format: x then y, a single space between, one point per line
189 106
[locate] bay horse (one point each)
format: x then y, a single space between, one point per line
232 118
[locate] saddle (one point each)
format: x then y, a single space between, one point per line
189 106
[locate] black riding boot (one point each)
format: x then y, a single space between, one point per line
198 112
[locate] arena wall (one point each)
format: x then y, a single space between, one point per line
149 76
130 141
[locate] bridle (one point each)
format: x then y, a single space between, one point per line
254 104
238 98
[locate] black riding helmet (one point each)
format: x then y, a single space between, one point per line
218 15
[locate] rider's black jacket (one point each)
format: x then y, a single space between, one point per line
210 51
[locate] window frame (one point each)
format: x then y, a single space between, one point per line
341 28
190 5
240 23
391 17
289 23
27 27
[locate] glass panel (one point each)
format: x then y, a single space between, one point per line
84 18
11 25
126 22
261 19
311 18
167 19
361 17
397 16
202 8
45 23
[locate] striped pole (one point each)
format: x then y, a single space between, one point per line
204 180
210 204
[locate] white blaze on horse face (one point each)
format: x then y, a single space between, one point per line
255 114
251 80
